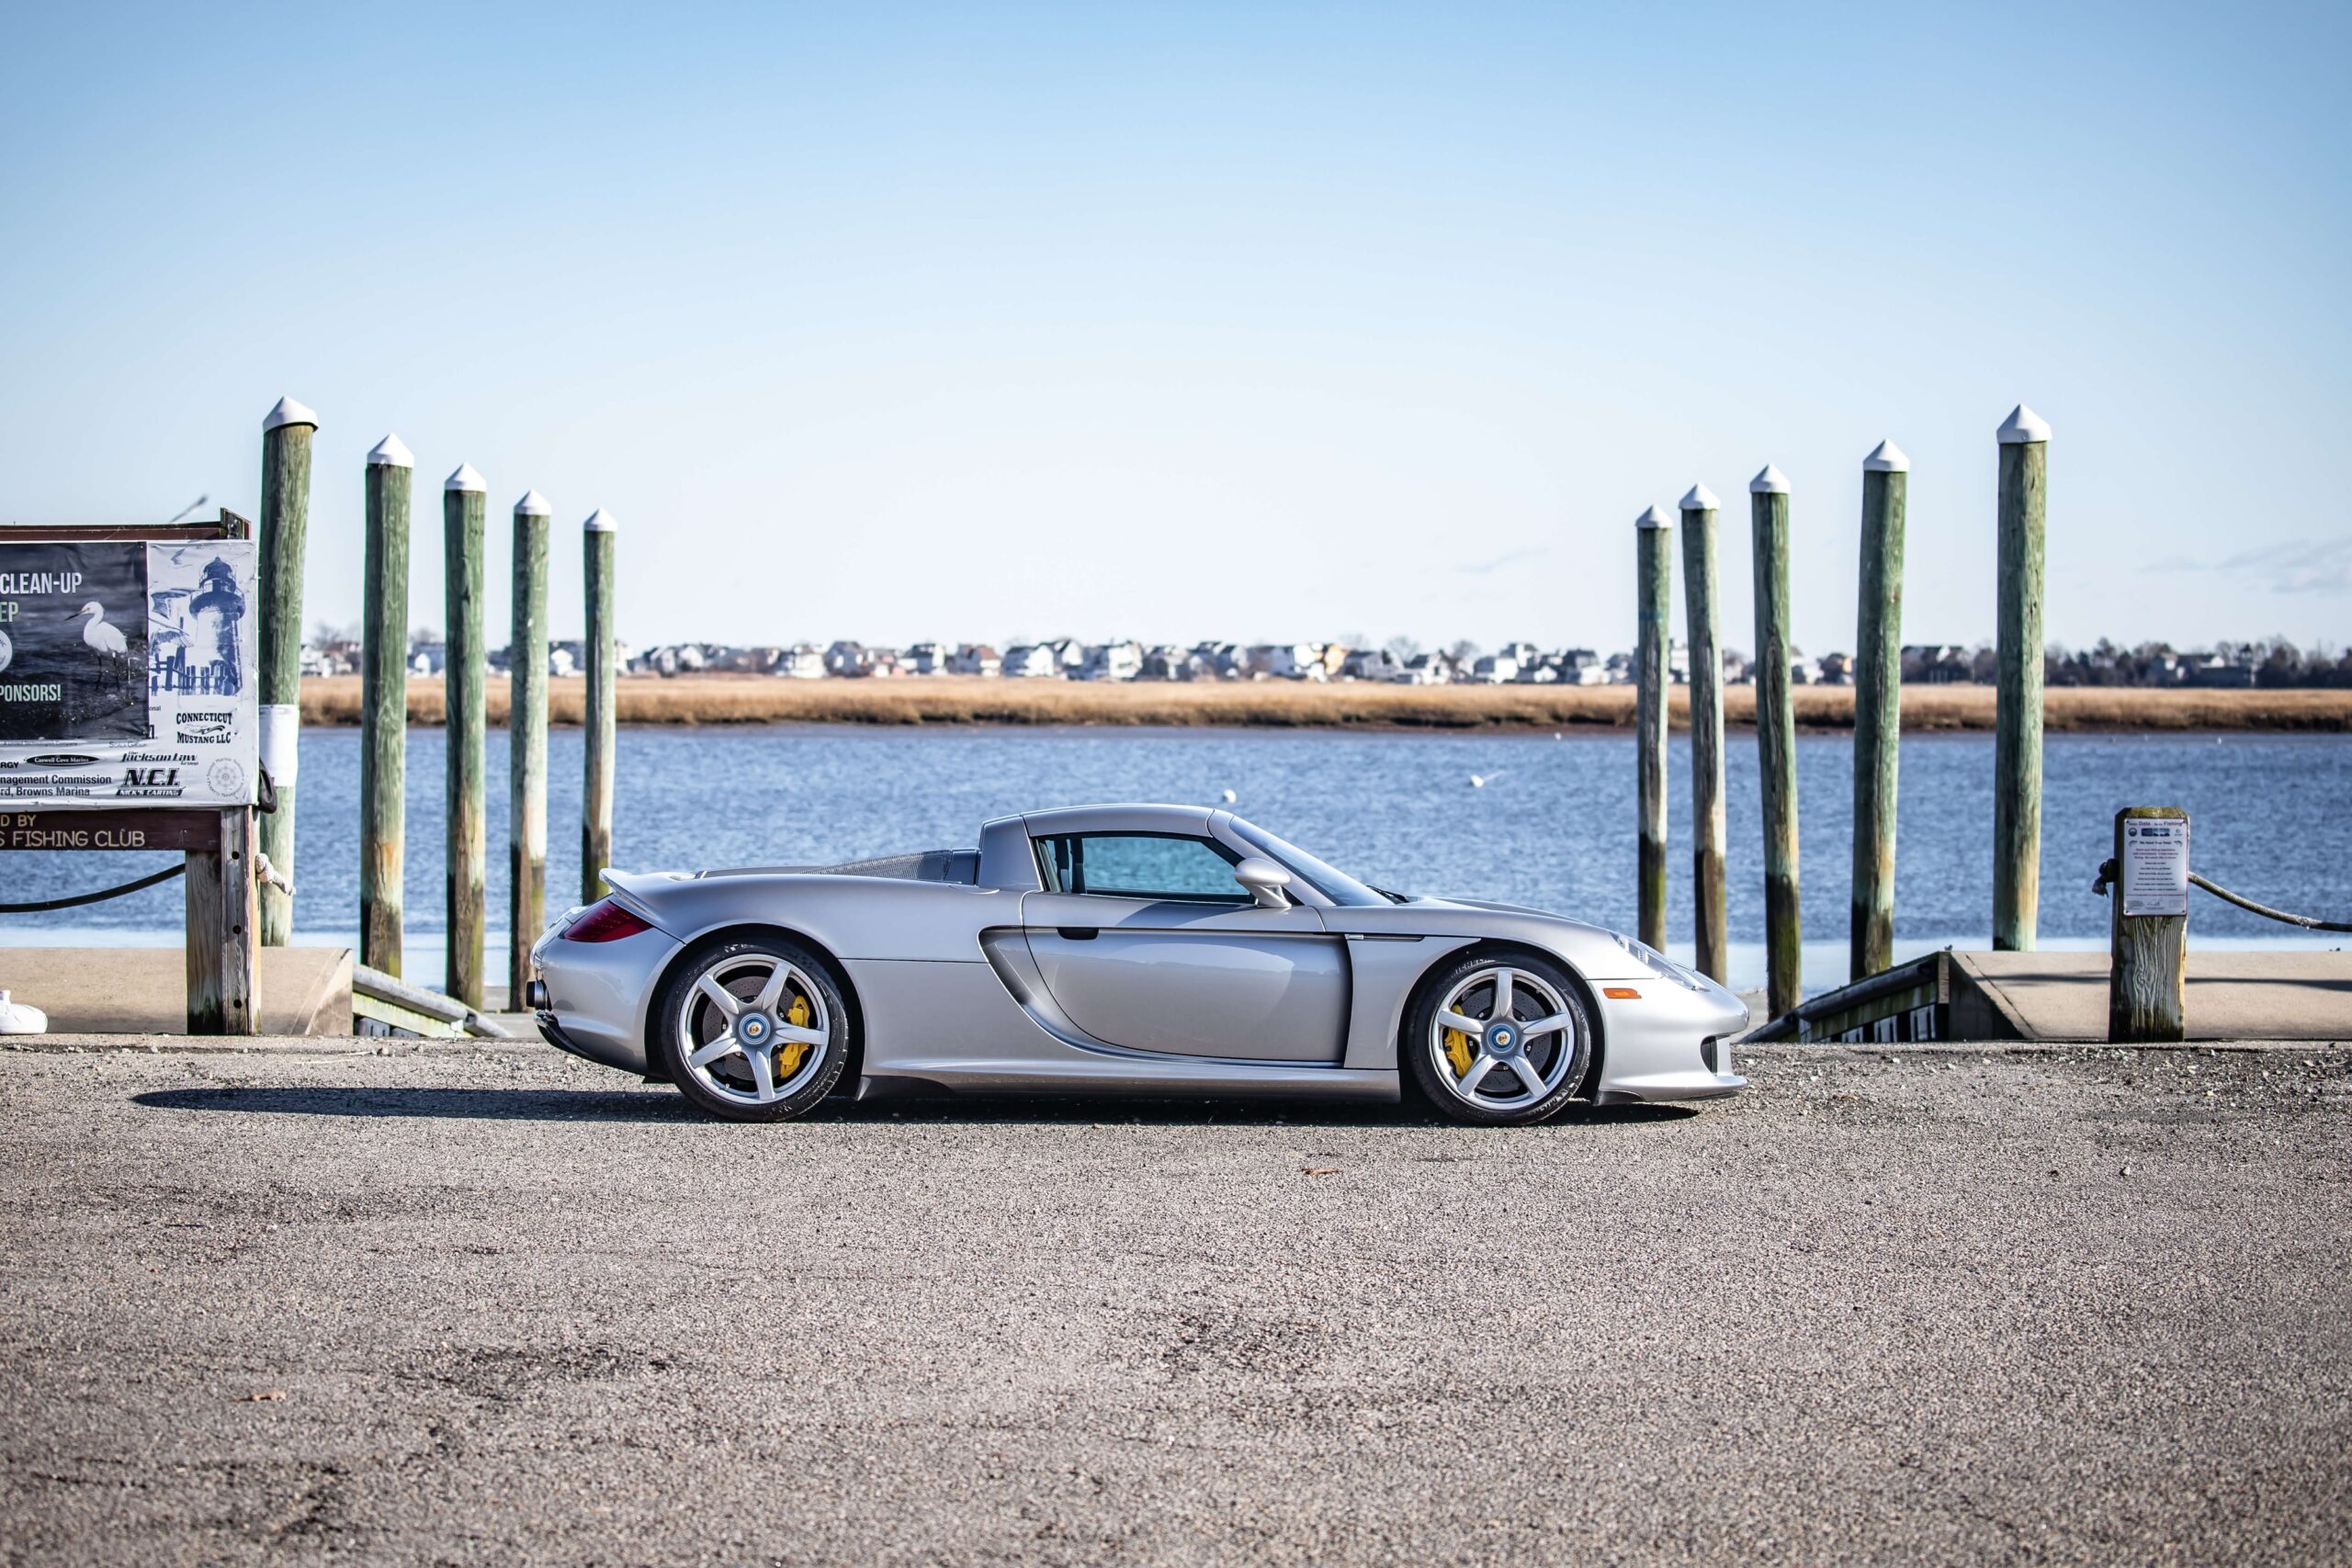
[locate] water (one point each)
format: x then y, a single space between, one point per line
1554 827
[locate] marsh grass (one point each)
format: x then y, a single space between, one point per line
755 699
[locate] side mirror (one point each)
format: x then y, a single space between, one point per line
1265 879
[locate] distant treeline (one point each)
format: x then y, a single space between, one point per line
2275 663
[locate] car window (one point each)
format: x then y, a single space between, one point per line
1139 865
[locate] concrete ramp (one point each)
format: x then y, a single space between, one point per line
2061 998
2268 995
144 990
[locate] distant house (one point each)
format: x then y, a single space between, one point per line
1618 671
925 658
1032 662
802 661
563 658
1937 664
845 658
1425 669
975 658
2215 670
1368 664
1112 661
1835 669
1494 668
1580 667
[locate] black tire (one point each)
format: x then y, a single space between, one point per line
729 1085
1551 990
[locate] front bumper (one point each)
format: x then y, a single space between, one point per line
1669 1042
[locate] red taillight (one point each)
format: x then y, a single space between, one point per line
604 922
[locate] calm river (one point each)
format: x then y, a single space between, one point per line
1552 825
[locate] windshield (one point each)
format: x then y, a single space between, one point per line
1330 881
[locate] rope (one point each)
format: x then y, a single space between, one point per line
2303 921
2107 876
80 899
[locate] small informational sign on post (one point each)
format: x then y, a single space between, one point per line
127 673
2156 865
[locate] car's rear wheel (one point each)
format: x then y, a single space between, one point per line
1499 1038
753 1030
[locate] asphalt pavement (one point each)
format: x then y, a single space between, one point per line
484 1304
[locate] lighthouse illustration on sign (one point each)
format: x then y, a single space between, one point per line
195 634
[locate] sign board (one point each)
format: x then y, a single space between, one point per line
127 673
120 828
2156 865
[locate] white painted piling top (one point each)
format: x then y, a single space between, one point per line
600 521
1886 457
390 454
288 412
1701 499
533 504
467 479
1655 517
2024 427
1772 482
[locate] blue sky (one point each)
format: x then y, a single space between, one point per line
979 321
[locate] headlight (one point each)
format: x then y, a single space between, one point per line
1658 964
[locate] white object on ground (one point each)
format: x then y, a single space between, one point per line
21 1018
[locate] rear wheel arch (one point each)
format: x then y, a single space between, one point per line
854 1061
1494 949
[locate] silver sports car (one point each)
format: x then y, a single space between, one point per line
1153 950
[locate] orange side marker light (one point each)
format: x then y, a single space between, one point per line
1621 993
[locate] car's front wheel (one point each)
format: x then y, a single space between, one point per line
1499 1038
753 1030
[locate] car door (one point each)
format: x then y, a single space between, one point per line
1144 941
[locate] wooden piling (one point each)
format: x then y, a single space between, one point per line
1878 708
1776 751
2017 733
527 743
2148 926
465 677
286 433
1709 922
1654 608
596 795
383 705
224 921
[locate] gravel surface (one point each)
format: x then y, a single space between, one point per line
476 1304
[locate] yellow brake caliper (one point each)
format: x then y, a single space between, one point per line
792 1052
1457 1051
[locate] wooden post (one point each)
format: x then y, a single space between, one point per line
1878 708
526 744
285 434
1776 749
2148 925
383 705
224 923
465 674
2017 734
1710 924
1654 589
597 797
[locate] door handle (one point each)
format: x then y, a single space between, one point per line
1077 934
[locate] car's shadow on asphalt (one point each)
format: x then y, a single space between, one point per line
657 1106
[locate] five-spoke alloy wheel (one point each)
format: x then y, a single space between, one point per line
1499 1038
754 1031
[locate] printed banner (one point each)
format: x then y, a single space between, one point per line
127 673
